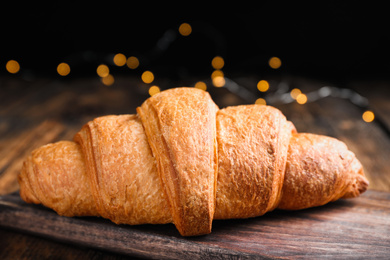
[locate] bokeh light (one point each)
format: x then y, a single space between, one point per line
132 62
368 116
185 29
295 93
12 66
301 99
147 77
153 90
219 81
275 63
201 85
217 77
217 62
260 101
63 69
119 59
102 70
263 85
217 73
108 80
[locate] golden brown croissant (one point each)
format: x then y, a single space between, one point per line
182 160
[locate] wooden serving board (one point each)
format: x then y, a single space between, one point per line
357 228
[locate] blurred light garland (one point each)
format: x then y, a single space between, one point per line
283 94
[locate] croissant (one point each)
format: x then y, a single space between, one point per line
181 159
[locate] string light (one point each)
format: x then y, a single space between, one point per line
217 62
153 90
280 95
102 70
301 99
295 93
185 29
219 81
201 85
275 62
132 62
263 85
147 77
12 66
119 59
63 69
216 73
368 116
260 101
108 80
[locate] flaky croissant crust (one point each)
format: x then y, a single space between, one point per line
183 160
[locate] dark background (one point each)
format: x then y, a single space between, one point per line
331 40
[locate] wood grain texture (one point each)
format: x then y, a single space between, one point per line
358 228
15 245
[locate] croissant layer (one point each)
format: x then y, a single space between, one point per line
182 135
122 171
252 150
182 160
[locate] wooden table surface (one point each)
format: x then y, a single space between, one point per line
34 113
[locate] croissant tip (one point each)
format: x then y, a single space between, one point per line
363 184
359 186
25 191
361 181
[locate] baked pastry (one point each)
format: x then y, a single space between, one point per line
183 160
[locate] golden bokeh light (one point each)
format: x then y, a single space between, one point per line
301 99
201 85
102 70
63 69
217 73
263 85
12 66
368 116
132 62
260 101
295 93
119 59
147 77
108 80
185 29
217 77
153 90
219 81
217 62
275 63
